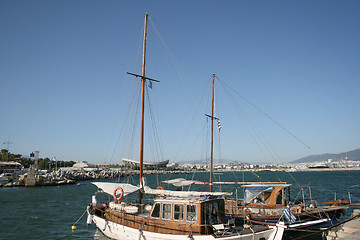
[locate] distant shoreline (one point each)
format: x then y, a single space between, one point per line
290 170
323 170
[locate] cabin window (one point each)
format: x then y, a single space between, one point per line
213 212
279 198
257 194
156 211
191 213
179 212
166 211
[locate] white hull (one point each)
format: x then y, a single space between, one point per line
117 231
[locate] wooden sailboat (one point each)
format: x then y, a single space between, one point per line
172 214
267 202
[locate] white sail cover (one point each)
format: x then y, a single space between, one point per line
170 193
179 182
109 187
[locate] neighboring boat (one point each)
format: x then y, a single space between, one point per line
5 178
172 214
14 168
266 203
158 164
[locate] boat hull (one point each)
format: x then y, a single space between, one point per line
310 220
117 231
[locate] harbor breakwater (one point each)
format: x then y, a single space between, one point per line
61 177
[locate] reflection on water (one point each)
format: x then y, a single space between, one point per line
99 235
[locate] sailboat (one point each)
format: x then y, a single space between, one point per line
267 202
172 214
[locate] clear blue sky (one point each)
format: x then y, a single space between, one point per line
64 88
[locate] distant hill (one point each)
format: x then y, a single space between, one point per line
204 161
352 155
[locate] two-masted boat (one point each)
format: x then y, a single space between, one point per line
171 214
266 203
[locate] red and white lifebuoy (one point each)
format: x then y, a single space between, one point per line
117 199
159 188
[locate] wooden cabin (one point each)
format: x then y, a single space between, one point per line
173 215
260 196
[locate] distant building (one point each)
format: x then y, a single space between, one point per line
83 164
10 167
173 165
160 164
102 165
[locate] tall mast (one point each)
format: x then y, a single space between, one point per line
143 80
212 134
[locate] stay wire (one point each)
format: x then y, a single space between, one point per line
131 98
172 58
191 122
266 144
154 132
273 120
256 134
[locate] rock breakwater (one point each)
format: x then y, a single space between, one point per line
61 177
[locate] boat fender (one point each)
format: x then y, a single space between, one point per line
159 188
131 209
105 223
117 199
89 217
141 234
247 211
148 208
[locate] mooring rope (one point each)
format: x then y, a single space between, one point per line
73 226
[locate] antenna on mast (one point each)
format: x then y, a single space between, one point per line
7 143
5 157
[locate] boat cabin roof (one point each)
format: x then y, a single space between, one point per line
264 186
187 199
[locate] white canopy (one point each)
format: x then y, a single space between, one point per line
169 193
179 182
109 187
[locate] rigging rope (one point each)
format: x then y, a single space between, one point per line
273 120
269 148
188 84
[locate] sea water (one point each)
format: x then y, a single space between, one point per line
50 212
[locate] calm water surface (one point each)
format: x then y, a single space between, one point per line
49 212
